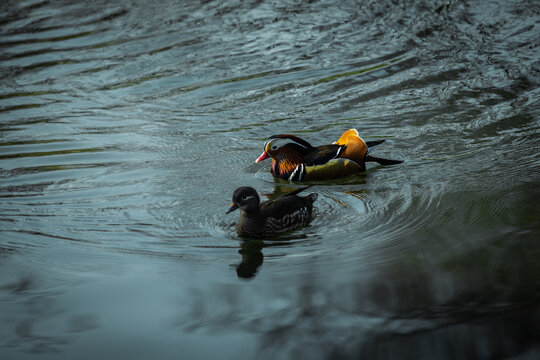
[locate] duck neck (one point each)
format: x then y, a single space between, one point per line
252 212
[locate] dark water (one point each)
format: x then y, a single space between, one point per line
126 126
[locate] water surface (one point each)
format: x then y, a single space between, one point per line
125 128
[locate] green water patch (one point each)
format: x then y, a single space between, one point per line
26 93
358 72
29 142
49 153
54 39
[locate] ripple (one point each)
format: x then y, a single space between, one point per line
126 129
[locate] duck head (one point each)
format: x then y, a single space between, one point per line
284 143
286 151
245 198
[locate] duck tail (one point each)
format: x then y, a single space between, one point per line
383 161
371 144
299 190
311 197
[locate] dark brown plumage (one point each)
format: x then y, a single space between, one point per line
273 217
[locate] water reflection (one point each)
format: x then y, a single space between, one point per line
125 128
252 249
252 258
421 308
36 307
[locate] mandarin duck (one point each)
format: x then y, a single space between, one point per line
273 217
295 159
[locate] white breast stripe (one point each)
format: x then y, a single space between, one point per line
300 170
293 174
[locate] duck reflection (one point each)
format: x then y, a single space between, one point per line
252 258
257 234
283 213
252 253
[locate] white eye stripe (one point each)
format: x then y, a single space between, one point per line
279 142
248 197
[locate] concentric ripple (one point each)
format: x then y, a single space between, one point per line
125 128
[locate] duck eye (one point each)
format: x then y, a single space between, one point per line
244 198
274 147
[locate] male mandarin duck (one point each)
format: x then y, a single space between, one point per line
295 159
273 217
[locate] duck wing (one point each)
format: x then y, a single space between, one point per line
322 154
287 203
286 211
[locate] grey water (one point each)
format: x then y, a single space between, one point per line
126 126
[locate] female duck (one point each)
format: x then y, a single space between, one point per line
273 217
